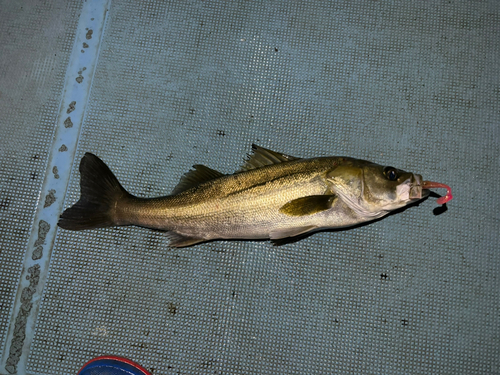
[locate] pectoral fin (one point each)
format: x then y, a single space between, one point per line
308 205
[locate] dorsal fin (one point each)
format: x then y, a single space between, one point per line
195 177
262 157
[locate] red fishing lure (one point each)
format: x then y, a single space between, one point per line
429 185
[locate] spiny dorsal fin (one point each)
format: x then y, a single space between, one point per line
308 205
195 177
262 157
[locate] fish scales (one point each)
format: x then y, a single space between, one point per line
244 205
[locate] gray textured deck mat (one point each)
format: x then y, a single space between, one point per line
411 84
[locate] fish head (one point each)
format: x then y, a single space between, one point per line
372 190
390 188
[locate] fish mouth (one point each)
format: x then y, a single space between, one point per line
416 191
411 190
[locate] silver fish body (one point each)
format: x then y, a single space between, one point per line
273 196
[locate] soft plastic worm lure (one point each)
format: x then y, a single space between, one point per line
429 185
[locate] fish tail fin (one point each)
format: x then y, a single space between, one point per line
100 194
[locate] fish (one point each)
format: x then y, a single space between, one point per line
272 196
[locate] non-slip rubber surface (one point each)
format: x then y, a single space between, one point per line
409 84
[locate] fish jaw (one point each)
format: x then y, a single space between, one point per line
408 192
411 190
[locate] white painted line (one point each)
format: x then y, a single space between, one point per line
78 83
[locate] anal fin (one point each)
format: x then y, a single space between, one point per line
178 240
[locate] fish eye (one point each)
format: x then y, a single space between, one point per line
391 173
